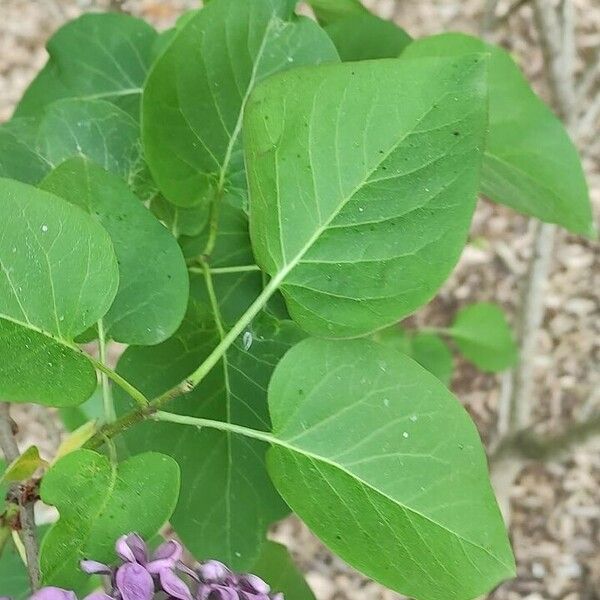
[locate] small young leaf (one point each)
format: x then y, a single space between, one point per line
98 502
227 501
432 353
366 36
153 280
24 466
58 276
483 335
530 164
195 96
385 466
97 56
275 565
351 196
330 11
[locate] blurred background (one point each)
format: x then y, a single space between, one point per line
552 506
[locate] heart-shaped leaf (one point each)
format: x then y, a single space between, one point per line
363 179
58 276
530 164
98 502
194 98
386 467
97 56
152 295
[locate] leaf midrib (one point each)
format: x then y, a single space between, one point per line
273 439
286 268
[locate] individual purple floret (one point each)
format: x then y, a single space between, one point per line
217 582
142 575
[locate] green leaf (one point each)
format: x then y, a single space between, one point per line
13 574
365 37
24 466
195 96
98 502
276 567
432 353
153 280
19 157
394 337
386 467
360 209
97 56
179 220
483 335
93 128
330 11
530 164
74 417
58 276
227 501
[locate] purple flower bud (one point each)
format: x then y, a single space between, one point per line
133 582
213 571
53 593
166 556
172 585
168 550
216 592
132 548
252 583
93 567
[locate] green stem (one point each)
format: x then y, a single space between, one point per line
224 270
188 384
107 399
213 358
264 436
137 396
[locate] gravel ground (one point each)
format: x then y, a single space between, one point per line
554 508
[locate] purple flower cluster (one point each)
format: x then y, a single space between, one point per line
141 575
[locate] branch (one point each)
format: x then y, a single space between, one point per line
558 47
528 445
27 519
